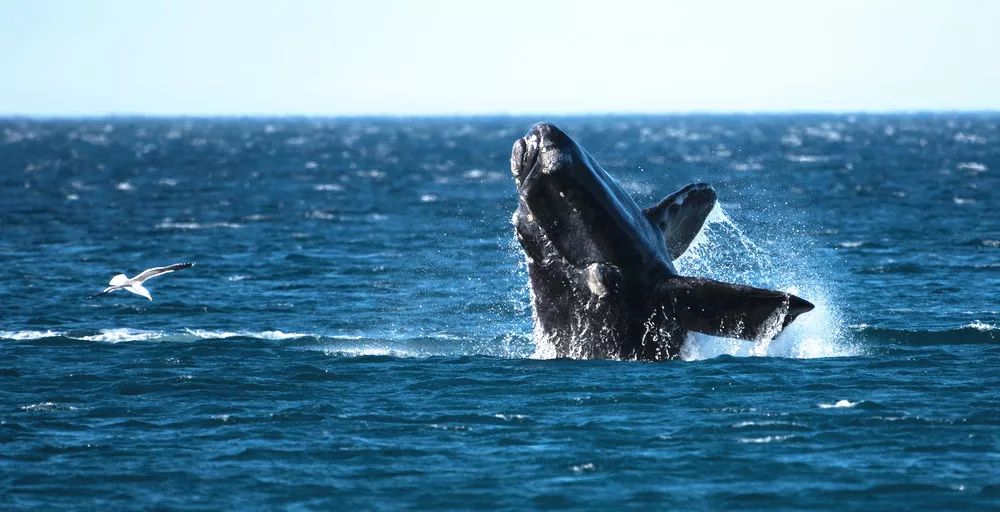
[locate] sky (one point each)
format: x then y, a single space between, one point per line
443 57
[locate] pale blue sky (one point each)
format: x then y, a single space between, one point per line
78 57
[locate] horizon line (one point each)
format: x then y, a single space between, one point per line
460 115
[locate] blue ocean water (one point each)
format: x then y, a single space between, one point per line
357 332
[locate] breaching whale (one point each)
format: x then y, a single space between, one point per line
603 284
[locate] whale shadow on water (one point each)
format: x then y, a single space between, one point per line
602 279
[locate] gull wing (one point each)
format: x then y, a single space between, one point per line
155 271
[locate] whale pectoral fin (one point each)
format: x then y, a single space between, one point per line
730 310
681 215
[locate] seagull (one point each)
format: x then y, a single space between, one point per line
134 285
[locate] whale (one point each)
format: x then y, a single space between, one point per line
602 280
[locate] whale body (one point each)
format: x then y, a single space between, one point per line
603 283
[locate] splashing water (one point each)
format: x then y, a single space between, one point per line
724 252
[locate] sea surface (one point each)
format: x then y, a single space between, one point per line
356 332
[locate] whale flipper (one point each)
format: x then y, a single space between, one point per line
681 215
731 310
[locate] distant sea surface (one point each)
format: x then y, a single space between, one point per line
356 333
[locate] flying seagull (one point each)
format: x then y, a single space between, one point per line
134 285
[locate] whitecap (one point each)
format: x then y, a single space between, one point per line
320 215
28 335
807 159
428 198
328 187
125 186
265 335
972 166
121 335
981 326
745 424
840 404
373 173
46 406
169 224
509 417
363 351
852 244
277 335
211 335
765 439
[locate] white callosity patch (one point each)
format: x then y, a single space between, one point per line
595 281
552 160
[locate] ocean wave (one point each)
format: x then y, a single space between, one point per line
810 339
264 335
28 335
969 334
839 404
47 407
184 226
126 334
766 439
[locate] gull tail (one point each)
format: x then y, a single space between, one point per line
139 290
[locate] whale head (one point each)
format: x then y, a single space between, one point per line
570 206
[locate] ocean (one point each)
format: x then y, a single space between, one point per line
356 332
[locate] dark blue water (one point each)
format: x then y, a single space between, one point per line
356 332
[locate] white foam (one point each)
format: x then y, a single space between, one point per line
772 423
328 187
121 335
981 326
125 334
47 406
28 335
509 417
840 404
278 335
975 167
368 351
765 439
266 335
169 224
